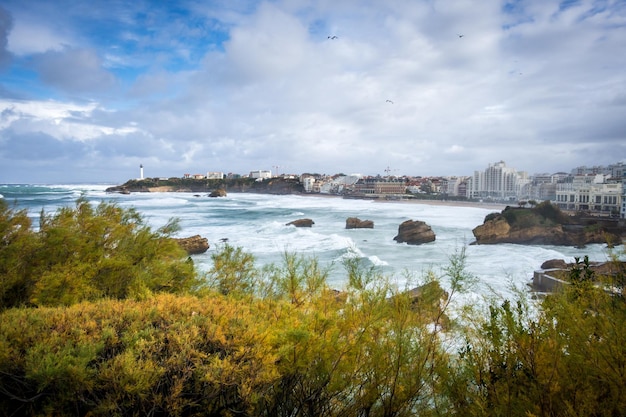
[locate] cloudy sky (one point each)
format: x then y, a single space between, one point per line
89 90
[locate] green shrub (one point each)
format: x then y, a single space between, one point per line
86 253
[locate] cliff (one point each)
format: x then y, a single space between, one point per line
238 185
546 225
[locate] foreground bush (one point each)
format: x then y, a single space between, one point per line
87 253
297 348
277 341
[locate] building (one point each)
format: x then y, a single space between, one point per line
623 213
307 183
378 187
214 175
542 187
497 182
615 171
454 186
339 184
260 174
594 193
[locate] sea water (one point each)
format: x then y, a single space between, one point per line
258 224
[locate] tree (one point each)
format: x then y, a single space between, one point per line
85 253
18 246
233 271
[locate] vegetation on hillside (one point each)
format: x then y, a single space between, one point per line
140 337
270 185
544 214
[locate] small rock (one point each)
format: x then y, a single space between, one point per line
356 223
301 223
193 245
220 192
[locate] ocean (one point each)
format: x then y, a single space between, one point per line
257 223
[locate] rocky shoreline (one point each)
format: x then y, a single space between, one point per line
546 224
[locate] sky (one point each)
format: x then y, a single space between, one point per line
92 89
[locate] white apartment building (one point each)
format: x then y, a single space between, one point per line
497 182
260 174
214 175
623 213
307 184
591 193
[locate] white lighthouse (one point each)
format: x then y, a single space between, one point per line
140 171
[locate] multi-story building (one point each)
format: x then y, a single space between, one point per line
615 171
623 213
542 187
260 174
341 184
454 186
593 193
214 175
378 187
308 182
497 182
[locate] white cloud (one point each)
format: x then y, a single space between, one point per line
537 87
63 121
455 149
27 38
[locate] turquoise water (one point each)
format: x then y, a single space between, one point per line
257 223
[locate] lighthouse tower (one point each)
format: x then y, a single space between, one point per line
141 171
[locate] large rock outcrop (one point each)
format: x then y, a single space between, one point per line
414 232
193 245
545 225
356 223
301 223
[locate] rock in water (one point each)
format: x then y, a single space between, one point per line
414 232
194 245
301 223
356 223
218 193
546 225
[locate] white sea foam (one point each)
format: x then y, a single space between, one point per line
377 261
257 224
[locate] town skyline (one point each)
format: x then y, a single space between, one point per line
387 172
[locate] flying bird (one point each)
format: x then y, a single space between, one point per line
332 37
459 35
388 101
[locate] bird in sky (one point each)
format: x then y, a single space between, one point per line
388 101
332 37
459 35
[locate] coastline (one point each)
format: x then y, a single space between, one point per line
449 203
